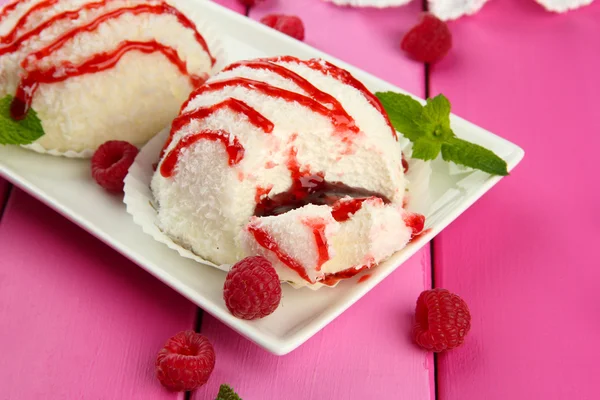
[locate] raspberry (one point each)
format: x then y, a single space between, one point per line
252 289
250 3
111 162
186 361
428 41
288 24
442 320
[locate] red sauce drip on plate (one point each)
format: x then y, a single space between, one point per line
420 235
343 76
309 88
332 279
234 149
265 240
98 62
238 106
416 222
364 278
318 227
339 119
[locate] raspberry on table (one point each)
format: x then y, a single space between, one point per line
186 361
428 41
252 289
442 320
110 164
291 25
250 3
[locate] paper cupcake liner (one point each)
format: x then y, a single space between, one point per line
140 202
370 3
38 148
215 45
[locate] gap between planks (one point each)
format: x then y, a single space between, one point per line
4 201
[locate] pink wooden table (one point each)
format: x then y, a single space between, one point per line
79 321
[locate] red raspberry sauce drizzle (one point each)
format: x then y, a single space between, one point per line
343 209
157 9
12 34
8 8
234 149
338 119
99 62
265 240
238 106
316 94
318 227
343 76
15 44
262 192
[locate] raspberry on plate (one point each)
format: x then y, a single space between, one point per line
252 289
428 41
291 25
442 320
186 361
111 162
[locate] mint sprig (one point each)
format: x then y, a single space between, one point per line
227 393
428 128
24 131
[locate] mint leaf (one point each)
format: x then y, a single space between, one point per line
435 119
227 393
472 155
25 131
424 149
438 110
428 128
404 113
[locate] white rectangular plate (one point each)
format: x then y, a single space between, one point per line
66 185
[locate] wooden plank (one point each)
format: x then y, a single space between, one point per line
234 5
366 353
78 319
530 276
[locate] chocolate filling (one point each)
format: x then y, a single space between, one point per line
312 189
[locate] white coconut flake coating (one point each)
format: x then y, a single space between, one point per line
85 111
10 68
143 27
131 99
10 19
210 205
370 235
294 235
44 10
